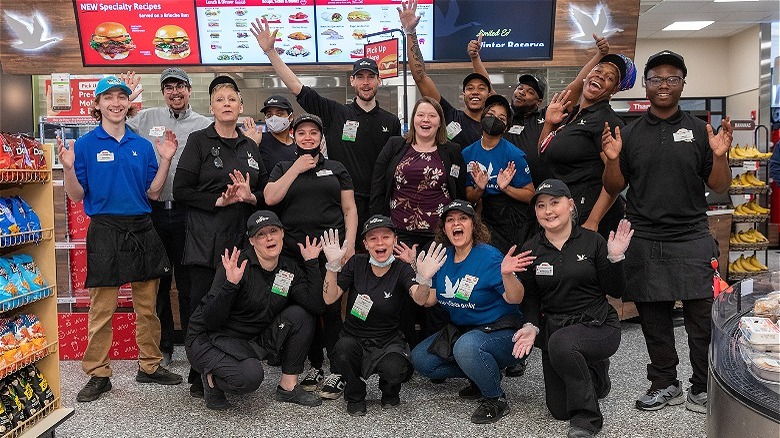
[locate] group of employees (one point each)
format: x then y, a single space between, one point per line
450 251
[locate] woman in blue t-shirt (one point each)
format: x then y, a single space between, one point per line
477 286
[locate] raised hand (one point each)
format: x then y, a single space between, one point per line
134 82
473 48
428 263
241 184
524 341
556 110
311 250
66 155
505 176
404 253
518 263
250 130
618 241
602 44
479 176
167 144
262 33
721 143
611 146
407 13
233 271
333 251
228 196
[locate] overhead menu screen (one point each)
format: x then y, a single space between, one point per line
218 32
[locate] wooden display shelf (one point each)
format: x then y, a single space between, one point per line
749 218
42 422
22 300
32 357
27 237
24 176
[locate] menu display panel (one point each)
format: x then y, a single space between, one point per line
126 32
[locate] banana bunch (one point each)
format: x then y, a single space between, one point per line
749 237
749 209
744 265
747 153
747 179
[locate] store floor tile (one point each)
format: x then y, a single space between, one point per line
146 410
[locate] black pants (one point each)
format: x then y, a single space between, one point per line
201 278
170 225
658 329
326 330
349 355
574 355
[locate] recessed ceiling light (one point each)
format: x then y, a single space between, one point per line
688 25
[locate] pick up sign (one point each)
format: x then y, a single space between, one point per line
385 53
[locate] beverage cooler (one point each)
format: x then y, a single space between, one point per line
744 365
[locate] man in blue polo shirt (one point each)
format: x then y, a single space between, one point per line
115 172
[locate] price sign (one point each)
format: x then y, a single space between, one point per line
750 165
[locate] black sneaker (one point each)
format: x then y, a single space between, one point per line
578 432
490 410
333 387
214 397
297 396
160 376
313 379
196 389
92 390
516 370
356 409
390 401
470 392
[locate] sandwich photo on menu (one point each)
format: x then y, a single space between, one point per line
171 42
388 65
112 41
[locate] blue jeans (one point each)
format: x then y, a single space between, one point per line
479 356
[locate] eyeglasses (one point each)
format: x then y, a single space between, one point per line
217 161
169 88
672 81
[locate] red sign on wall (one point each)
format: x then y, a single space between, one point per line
385 53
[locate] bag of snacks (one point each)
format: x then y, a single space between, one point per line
40 384
30 271
15 275
35 152
8 226
5 420
12 403
11 351
24 391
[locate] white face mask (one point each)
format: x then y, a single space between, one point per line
277 124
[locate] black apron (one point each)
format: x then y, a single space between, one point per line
507 219
124 249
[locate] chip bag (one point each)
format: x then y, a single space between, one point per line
15 275
22 334
12 403
30 271
6 424
34 151
35 329
39 384
11 351
26 395
9 229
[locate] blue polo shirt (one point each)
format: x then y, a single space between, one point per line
493 160
115 175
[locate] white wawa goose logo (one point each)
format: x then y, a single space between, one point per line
599 23
32 33
449 288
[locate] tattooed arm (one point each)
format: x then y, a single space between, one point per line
407 12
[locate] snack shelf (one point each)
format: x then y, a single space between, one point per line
43 421
32 357
24 176
752 218
23 238
32 296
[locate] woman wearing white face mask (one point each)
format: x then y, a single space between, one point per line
278 146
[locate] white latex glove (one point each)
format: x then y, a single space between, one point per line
332 250
428 263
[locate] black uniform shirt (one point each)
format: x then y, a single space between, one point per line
666 164
274 151
524 133
470 129
374 129
572 279
312 204
573 155
387 293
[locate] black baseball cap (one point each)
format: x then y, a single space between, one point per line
307 118
552 187
494 99
277 101
532 81
261 219
666 57
472 76
365 64
222 80
377 221
459 205
175 73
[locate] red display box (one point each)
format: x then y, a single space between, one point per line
73 336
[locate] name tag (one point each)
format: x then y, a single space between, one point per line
683 134
545 269
105 156
324 172
282 283
453 129
157 131
350 130
455 171
361 307
252 163
516 129
466 287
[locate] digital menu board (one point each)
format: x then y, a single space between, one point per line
218 32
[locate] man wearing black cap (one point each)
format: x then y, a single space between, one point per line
278 146
463 126
355 133
168 217
669 212
260 307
